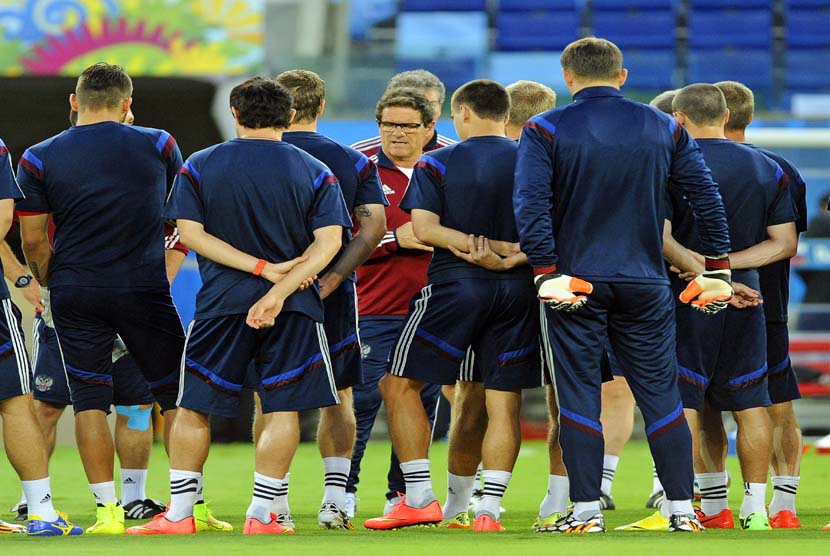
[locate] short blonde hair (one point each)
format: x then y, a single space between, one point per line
741 103
527 99
308 90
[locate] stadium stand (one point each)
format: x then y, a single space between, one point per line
536 30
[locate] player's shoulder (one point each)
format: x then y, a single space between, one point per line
201 156
370 144
162 140
40 151
785 164
444 141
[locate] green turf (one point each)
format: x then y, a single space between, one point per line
229 480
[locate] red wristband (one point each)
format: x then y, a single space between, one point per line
259 267
544 270
717 264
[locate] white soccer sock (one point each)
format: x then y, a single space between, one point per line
556 498
459 490
755 495
586 510
419 492
183 489
104 492
280 505
265 490
609 469
677 507
495 483
784 488
479 484
199 486
712 492
337 473
38 495
133 483
656 485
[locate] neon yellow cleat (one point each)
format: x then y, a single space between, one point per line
459 521
205 522
547 524
109 520
654 522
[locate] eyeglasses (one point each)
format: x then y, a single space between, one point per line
405 127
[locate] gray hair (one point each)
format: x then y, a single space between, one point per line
418 79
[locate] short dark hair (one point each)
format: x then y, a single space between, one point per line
741 103
406 98
592 58
261 103
487 99
662 102
703 103
308 90
103 86
418 79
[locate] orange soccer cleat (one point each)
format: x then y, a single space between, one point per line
485 522
402 515
160 525
721 520
785 519
253 526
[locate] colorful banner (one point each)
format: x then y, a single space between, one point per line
147 37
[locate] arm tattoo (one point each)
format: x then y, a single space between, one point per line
362 211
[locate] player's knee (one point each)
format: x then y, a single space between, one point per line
392 386
138 416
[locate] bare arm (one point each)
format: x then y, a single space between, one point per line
372 219
677 255
13 270
36 248
428 229
781 243
326 244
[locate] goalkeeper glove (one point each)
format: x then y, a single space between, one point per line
558 291
711 291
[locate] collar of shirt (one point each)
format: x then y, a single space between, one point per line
595 92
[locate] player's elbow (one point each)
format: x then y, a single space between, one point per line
789 246
422 231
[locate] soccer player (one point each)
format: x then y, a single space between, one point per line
394 272
723 358
775 287
107 274
487 306
365 200
590 202
527 99
23 441
294 214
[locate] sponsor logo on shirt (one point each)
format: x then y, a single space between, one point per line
387 190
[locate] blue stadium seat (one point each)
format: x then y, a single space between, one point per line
441 35
453 72
443 5
721 4
805 3
637 29
546 5
507 67
751 67
634 4
808 28
734 28
536 30
803 70
650 69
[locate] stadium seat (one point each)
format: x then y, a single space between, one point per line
807 69
751 67
634 4
443 5
738 4
453 72
507 67
441 35
650 69
536 30
730 28
808 28
546 5
805 3
637 28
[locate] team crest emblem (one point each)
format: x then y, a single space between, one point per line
365 350
43 383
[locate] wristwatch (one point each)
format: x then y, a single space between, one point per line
23 281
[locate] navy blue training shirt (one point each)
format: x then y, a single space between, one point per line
755 194
775 277
105 185
8 190
590 188
358 176
470 186
264 198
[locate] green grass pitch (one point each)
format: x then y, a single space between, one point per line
229 479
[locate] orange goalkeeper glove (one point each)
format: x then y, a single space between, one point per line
559 291
711 291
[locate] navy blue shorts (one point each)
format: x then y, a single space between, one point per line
50 384
341 331
291 359
87 322
15 375
499 319
722 358
781 380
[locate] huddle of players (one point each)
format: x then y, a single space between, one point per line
270 316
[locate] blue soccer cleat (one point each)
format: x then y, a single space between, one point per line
61 527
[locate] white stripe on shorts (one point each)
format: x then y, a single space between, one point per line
182 364
548 351
324 350
408 333
19 347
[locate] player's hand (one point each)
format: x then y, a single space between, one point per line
329 282
274 272
743 296
46 312
559 291
406 239
32 294
264 312
711 291
307 283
